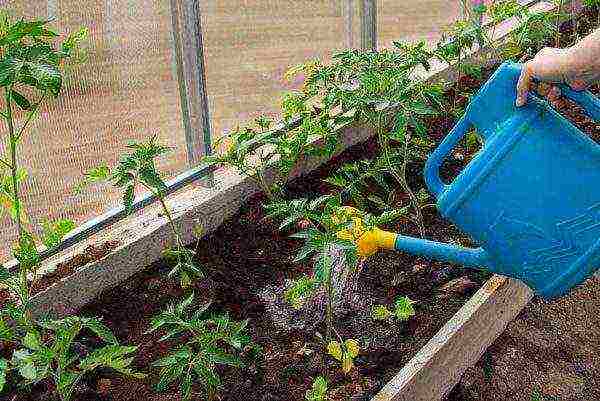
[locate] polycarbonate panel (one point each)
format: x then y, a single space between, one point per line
249 44
413 20
126 90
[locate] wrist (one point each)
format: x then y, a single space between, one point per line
583 60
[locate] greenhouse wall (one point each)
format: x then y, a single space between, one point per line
128 89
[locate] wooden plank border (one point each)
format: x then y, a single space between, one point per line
440 364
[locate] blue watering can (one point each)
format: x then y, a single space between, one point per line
530 198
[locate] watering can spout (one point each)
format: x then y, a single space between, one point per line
468 257
370 241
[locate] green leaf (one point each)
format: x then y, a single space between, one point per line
28 371
318 391
337 181
111 356
48 77
318 202
168 375
300 288
9 68
4 273
304 253
391 215
53 233
92 176
352 348
320 385
20 100
322 266
27 253
208 376
101 330
74 39
422 109
219 357
302 234
289 221
181 307
335 350
380 312
186 387
65 383
166 361
6 333
128 198
151 178
32 341
404 308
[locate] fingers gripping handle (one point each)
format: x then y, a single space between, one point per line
434 162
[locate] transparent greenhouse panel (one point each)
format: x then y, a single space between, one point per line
413 20
249 45
126 90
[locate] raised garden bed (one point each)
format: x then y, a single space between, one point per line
458 312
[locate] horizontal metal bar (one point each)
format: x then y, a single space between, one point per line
93 226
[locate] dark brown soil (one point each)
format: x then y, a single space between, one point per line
548 353
245 255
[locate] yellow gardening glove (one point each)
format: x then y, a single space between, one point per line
368 242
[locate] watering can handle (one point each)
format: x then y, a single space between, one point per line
585 99
434 162
589 102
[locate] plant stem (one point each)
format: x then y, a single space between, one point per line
401 177
30 116
458 72
340 339
258 177
329 312
171 222
12 146
413 198
495 51
263 184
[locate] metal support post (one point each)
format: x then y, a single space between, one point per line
189 59
368 25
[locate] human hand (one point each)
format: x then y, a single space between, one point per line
550 66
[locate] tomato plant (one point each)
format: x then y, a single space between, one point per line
32 63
